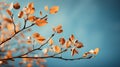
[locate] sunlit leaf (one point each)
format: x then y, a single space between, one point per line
36 35
62 41
78 44
54 9
51 42
74 51
20 14
9 12
46 8
8 20
96 51
32 18
68 44
41 22
58 29
32 10
16 5
56 49
31 5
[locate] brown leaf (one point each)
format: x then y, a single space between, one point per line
32 18
8 20
68 44
72 38
32 10
58 29
16 5
51 42
74 51
10 26
9 54
46 8
40 13
20 14
56 49
29 41
9 12
54 9
62 41
78 44
41 22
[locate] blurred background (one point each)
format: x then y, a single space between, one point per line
96 23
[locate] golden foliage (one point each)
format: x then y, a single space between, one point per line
58 29
41 22
51 42
54 9
56 49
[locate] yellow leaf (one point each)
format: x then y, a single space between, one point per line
51 42
54 9
96 51
46 8
41 22
57 49
62 41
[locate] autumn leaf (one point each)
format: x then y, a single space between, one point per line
32 10
9 54
9 12
29 41
96 51
78 44
62 41
54 9
68 44
16 5
72 38
10 26
36 35
51 42
41 22
56 49
46 8
74 51
45 50
20 14
30 5
58 29
32 18
8 20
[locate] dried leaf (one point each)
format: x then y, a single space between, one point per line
68 44
51 42
40 13
9 54
9 12
10 26
54 9
72 38
20 14
78 44
96 51
16 5
29 41
58 29
74 51
62 41
46 8
32 18
41 22
56 49
8 20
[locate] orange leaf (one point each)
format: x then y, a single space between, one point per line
30 5
31 18
68 43
62 41
58 29
16 5
20 14
9 12
46 8
56 49
72 38
41 22
78 44
54 9
96 51
8 20
10 26
36 35
32 10
51 42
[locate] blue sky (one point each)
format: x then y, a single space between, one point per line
96 23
